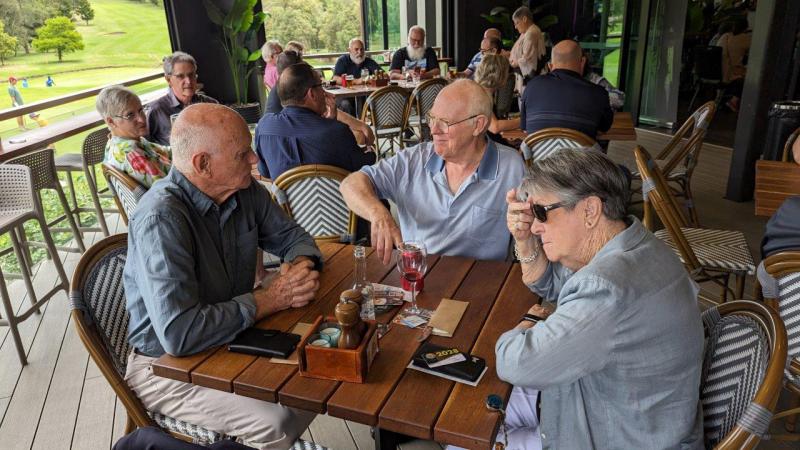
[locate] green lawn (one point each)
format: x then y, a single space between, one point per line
125 40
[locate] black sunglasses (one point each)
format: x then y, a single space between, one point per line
540 211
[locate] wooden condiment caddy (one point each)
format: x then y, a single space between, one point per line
334 363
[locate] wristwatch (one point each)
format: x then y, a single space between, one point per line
531 318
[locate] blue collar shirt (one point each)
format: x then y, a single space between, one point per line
469 223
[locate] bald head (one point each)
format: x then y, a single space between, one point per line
205 128
492 33
567 54
467 96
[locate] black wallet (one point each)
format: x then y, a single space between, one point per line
256 341
469 370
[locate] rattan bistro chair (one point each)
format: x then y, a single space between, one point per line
92 154
785 268
97 297
310 195
787 148
745 354
17 206
419 104
547 141
385 111
44 176
709 255
680 156
126 190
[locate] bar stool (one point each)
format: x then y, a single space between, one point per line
92 154
18 205
43 174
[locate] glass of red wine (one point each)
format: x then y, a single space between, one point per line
412 263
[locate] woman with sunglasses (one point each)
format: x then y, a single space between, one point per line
127 150
621 354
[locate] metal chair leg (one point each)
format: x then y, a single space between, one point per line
11 321
92 182
740 279
71 183
26 278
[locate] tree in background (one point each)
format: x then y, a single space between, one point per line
22 18
84 10
58 34
321 25
8 45
65 8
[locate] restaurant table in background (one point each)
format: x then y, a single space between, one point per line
775 180
393 399
361 90
621 130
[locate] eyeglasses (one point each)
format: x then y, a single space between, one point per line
182 76
445 125
131 115
540 211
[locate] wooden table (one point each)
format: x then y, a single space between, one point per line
361 90
621 130
775 180
394 400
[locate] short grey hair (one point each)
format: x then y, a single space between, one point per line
573 174
112 100
185 139
176 58
416 28
522 11
269 49
354 40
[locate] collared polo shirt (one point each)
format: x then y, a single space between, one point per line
469 223
160 111
346 66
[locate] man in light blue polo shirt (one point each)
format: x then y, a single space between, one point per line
449 194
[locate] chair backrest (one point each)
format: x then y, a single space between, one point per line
547 141
693 131
504 97
94 147
742 372
310 195
787 148
16 189
422 97
97 298
42 165
127 191
785 268
386 108
708 63
656 193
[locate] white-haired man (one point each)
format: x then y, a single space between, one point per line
353 63
190 272
180 71
450 192
415 56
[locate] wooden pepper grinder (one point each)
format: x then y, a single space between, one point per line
347 313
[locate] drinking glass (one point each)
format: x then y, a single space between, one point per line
412 263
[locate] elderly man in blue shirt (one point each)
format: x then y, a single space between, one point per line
189 276
306 130
450 192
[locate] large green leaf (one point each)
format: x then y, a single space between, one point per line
497 10
241 54
214 13
254 56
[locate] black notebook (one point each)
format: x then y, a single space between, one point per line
468 371
255 341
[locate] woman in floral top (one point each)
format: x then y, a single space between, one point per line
128 150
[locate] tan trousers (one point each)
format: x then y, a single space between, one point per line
254 422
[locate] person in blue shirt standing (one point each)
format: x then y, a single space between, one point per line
354 63
49 82
306 130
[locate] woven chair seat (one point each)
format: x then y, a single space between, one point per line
716 249
198 434
71 161
388 131
789 309
10 217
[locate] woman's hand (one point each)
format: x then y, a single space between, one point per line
518 217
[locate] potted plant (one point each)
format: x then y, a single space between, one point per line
238 27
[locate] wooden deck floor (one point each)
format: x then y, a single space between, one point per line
61 401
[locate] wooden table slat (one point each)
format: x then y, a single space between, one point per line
458 423
311 393
775 181
362 402
418 398
622 129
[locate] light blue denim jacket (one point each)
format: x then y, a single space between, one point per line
618 363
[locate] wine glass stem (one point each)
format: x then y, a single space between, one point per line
414 296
